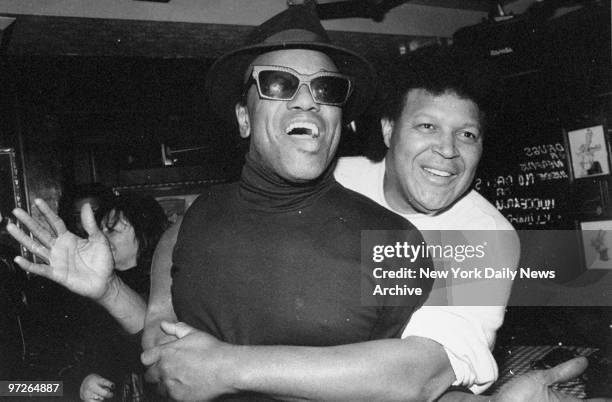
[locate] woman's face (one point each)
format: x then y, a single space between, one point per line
122 238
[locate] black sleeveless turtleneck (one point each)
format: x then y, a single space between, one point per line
263 190
267 262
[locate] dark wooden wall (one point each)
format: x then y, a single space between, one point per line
69 36
115 90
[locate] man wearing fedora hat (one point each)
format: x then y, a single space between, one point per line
273 259
265 272
287 236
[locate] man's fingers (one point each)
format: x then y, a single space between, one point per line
39 231
88 220
55 221
166 339
178 329
106 383
150 356
565 371
162 389
152 374
29 243
38 269
102 391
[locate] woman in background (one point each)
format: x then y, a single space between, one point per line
74 197
112 368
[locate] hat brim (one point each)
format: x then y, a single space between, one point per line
224 81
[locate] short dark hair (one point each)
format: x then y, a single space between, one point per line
438 70
147 218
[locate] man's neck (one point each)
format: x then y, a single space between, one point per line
266 190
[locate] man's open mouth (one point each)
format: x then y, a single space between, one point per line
303 129
437 172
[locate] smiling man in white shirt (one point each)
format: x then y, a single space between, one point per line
433 121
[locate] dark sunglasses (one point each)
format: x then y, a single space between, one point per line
283 83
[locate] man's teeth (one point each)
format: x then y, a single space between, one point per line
303 129
437 172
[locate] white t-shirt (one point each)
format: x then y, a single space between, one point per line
466 332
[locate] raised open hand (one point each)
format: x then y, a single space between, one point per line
84 266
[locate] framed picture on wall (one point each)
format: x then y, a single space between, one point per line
589 152
597 244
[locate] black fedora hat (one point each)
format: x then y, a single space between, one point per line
298 27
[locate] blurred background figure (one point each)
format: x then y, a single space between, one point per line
44 180
111 367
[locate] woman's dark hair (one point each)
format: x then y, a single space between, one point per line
101 193
149 222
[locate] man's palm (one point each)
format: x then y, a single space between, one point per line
84 266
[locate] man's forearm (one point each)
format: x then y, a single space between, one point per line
125 305
384 370
160 297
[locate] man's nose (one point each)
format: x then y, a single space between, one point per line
445 145
303 99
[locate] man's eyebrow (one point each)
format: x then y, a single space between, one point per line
472 127
436 116
474 123
424 114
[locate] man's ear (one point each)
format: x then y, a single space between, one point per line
386 127
244 123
